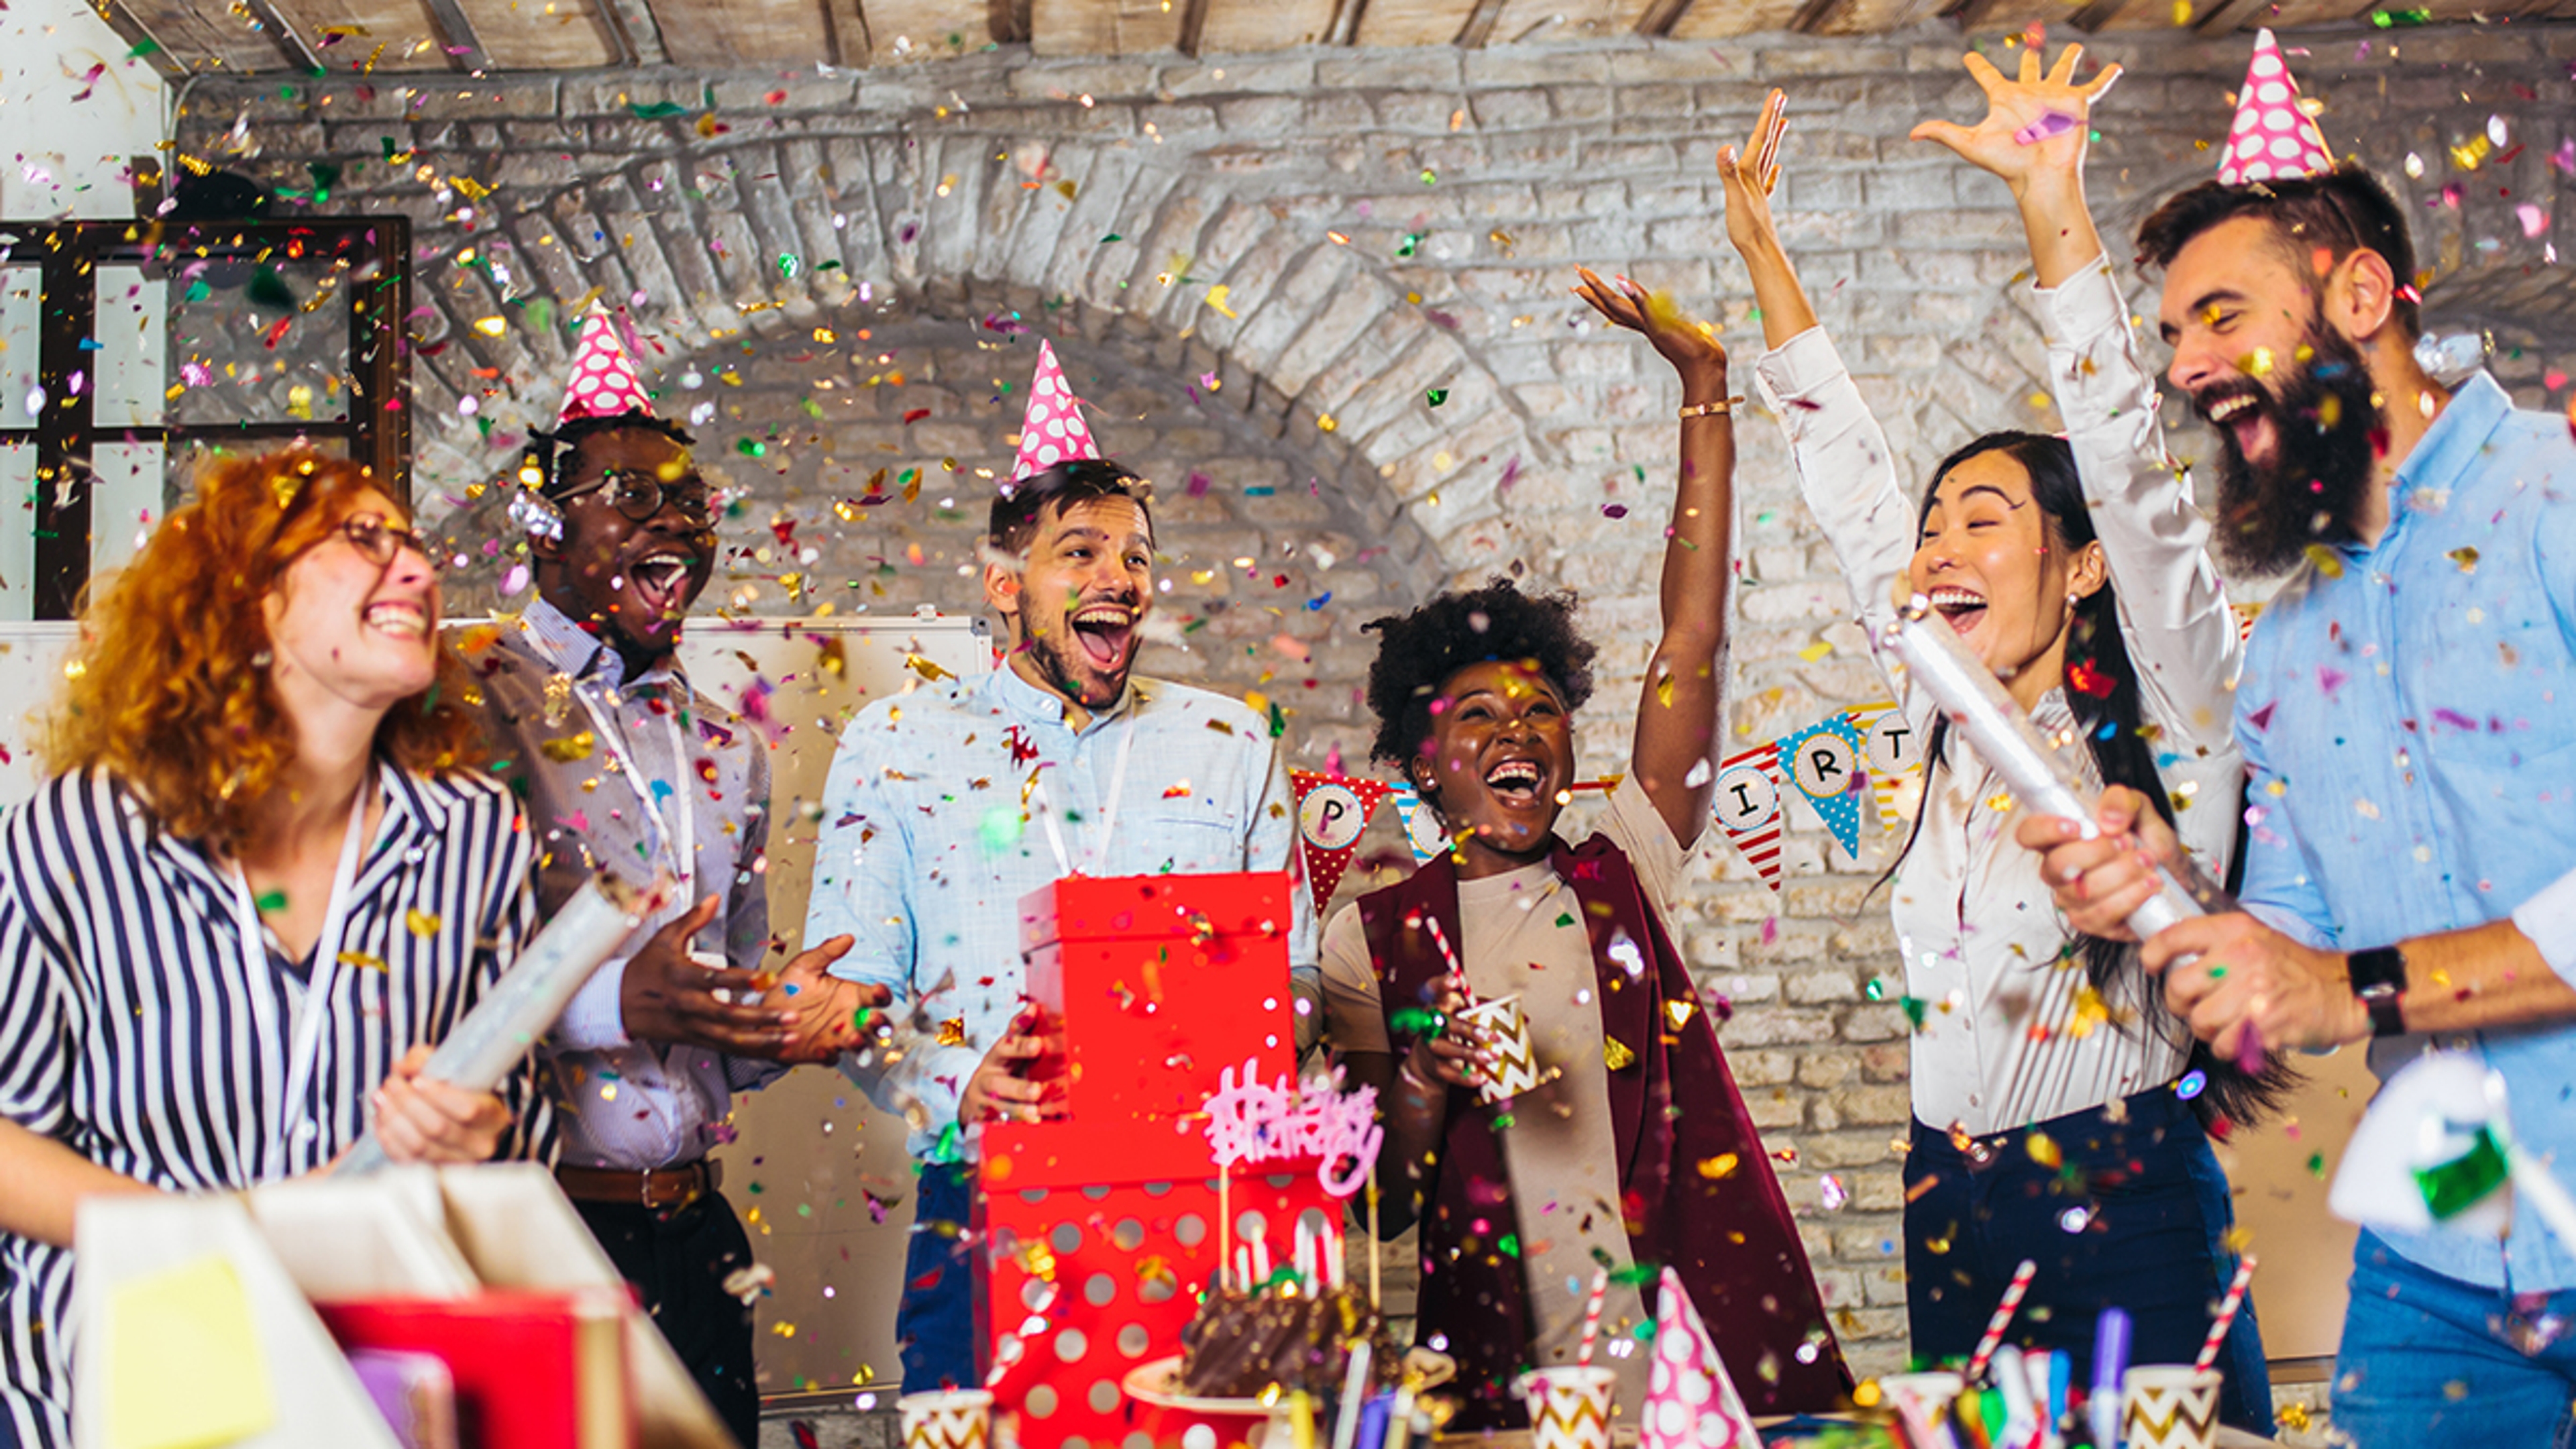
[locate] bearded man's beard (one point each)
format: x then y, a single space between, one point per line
2326 437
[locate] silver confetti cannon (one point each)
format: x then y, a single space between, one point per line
523 1005
2038 770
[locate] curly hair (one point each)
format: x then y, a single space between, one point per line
1416 655
169 687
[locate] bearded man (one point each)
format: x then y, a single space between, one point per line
2408 717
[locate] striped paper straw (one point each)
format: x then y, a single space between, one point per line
2227 1307
1592 1316
1995 1326
1440 938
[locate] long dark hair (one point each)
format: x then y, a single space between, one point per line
2097 653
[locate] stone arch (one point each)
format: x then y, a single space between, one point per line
769 237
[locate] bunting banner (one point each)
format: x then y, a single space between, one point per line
1747 798
1332 811
1422 828
1893 754
1827 761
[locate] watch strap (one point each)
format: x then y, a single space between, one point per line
2378 978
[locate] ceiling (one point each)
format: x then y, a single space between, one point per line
495 36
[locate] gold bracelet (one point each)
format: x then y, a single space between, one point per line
1716 409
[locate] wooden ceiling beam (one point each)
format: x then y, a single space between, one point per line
1193 29
464 48
1813 15
281 33
2229 15
1660 16
135 31
1346 22
2100 13
1969 14
1479 28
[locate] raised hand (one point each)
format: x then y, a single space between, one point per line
826 1006
1750 175
1689 344
2034 124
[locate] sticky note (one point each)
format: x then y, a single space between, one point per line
184 1366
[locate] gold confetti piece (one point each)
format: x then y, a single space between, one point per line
1816 651
2257 363
492 326
2466 558
926 668
1679 1012
1718 1168
569 748
2325 560
422 923
363 961
1326 422
952 1032
1616 1055
2043 1150
1216 300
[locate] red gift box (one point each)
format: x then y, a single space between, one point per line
1101 1228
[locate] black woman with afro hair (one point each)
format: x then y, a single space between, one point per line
1602 1159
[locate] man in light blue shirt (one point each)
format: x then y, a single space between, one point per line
2408 717
948 805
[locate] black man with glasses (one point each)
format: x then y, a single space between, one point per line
622 765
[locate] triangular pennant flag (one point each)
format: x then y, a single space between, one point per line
1894 753
2246 614
1691 1402
1824 762
603 382
2271 137
1052 431
1332 810
1747 799
1422 828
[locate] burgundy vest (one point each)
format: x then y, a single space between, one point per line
1697 1192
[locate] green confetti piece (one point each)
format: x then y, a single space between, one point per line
1278 721
2462 1183
1565 918
1112 237
757 1188
789 264
1913 1007
1876 990
750 447
146 46
658 111
271 902
1436 396
1510 1243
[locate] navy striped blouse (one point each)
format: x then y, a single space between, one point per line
128 1033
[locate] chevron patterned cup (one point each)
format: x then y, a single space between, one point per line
1569 1407
2171 1406
1506 1032
951 1419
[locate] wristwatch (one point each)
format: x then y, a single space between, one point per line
2378 980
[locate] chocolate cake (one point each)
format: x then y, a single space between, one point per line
1238 1345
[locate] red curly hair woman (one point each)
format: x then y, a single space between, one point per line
259 881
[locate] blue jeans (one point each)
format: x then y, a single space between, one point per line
935 1322
2428 1359
2134 1212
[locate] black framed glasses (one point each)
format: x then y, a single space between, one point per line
378 540
641 496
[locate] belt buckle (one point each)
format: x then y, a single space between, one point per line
698 1181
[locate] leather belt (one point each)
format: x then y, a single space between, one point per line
661 1187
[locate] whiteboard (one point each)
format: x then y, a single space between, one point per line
814 1163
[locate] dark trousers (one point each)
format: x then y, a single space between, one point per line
2134 1214
935 1322
678 1261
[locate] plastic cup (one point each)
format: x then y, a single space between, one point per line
1505 1030
1569 1406
946 1419
2170 1406
1922 1401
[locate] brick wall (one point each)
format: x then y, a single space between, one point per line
1262 269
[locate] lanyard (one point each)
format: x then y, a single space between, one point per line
681 849
316 1002
1108 832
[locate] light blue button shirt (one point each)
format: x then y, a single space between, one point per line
2410 728
926 847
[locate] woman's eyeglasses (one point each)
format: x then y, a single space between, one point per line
642 496
377 541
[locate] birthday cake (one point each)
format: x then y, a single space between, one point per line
1239 1344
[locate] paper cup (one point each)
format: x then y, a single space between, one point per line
2170 1406
948 1419
1506 1033
1922 1401
1569 1407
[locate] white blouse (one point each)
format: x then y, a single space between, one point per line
2011 1032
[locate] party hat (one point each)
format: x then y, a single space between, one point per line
1053 432
1690 1401
603 382
2271 138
